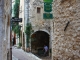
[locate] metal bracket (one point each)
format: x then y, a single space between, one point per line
66 25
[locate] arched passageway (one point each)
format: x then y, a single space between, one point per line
38 40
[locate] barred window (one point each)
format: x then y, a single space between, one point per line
38 9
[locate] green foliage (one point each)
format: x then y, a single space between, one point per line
28 29
28 32
13 25
16 29
16 8
19 45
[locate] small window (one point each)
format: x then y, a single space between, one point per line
38 9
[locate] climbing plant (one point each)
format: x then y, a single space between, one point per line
15 25
16 29
16 8
28 32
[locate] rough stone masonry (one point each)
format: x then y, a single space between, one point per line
66 43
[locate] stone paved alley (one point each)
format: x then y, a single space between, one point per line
19 54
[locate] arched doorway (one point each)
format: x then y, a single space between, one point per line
38 40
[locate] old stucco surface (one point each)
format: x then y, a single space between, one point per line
4 28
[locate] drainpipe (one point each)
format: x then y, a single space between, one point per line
51 36
27 42
27 17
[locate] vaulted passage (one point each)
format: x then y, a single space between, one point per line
39 39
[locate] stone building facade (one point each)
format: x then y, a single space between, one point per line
38 22
35 18
5 10
63 29
66 42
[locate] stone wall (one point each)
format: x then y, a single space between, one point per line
66 43
36 19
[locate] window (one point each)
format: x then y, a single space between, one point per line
38 9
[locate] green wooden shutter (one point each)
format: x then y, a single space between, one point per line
47 16
47 7
48 0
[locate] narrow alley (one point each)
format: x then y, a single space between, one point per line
39 29
19 54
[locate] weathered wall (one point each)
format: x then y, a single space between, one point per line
6 19
5 6
36 19
66 44
1 28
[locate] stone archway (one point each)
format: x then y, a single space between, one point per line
38 40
